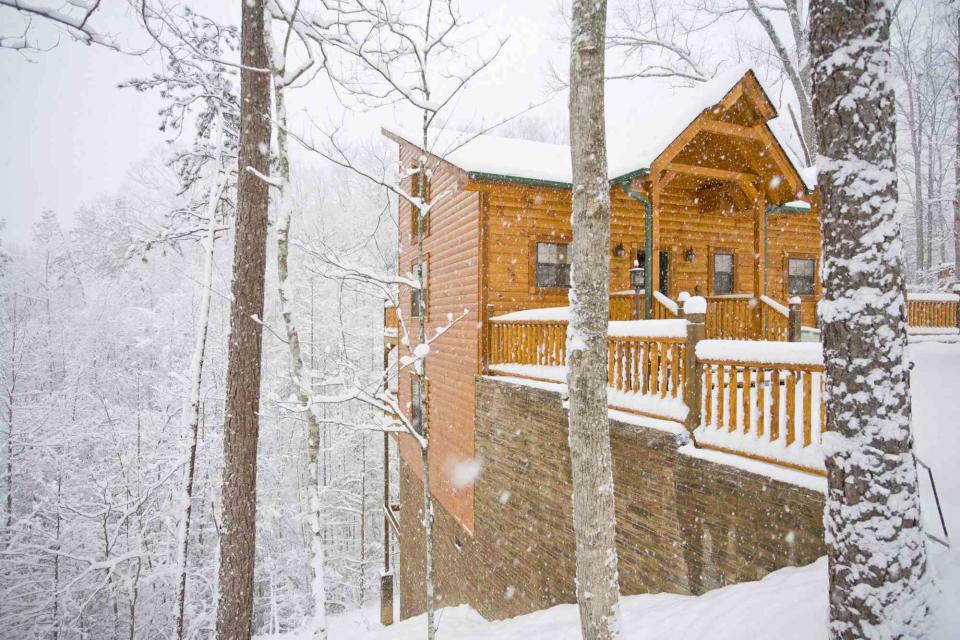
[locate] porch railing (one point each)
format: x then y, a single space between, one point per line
933 310
761 399
769 410
623 306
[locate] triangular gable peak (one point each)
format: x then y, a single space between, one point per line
722 142
730 143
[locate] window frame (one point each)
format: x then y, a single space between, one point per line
425 295
535 261
786 274
414 213
712 270
416 418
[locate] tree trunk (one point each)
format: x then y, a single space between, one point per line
594 521
875 544
956 172
915 117
241 424
932 205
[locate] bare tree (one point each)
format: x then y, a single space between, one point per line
242 412
594 518
74 18
301 376
875 543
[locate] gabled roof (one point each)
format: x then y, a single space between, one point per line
632 146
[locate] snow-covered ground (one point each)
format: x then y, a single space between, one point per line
787 604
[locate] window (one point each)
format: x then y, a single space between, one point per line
800 276
418 297
415 219
416 395
722 273
553 265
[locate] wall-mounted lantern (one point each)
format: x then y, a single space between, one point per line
689 255
619 251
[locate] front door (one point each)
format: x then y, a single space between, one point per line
664 279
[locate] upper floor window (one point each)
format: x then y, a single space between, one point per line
800 276
722 273
418 297
416 220
553 264
416 398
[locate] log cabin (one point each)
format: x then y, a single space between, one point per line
708 199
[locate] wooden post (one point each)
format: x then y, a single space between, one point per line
759 263
386 598
694 309
637 302
682 298
487 340
794 332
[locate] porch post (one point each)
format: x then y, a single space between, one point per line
695 310
759 260
653 280
794 324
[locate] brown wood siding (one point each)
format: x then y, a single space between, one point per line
520 216
452 247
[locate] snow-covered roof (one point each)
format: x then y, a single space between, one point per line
632 146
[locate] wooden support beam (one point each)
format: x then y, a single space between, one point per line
711 172
736 130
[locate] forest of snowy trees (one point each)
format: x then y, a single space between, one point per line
138 375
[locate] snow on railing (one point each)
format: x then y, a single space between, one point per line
932 310
763 400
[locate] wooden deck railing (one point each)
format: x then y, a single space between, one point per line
623 307
533 342
770 411
649 366
933 310
774 320
730 317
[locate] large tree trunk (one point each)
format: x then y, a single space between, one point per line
876 547
237 545
594 522
956 168
914 117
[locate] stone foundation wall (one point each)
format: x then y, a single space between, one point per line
684 525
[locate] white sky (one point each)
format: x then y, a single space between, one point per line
69 134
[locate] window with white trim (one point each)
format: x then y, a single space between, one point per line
801 276
553 265
722 273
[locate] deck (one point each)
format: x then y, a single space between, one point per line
739 377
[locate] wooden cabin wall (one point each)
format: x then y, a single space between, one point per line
517 217
453 248
797 236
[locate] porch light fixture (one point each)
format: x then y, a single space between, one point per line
689 255
619 251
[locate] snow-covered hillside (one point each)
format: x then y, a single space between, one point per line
788 604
